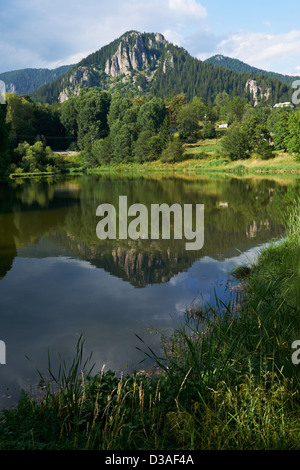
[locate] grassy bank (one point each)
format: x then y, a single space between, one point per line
226 379
207 155
280 164
200 156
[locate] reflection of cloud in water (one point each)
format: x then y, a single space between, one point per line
247 258
82 264
46 303
178 279
63 282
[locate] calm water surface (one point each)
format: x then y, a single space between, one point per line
58 280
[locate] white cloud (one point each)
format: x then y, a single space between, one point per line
295 71
43 37
68 60
261 50
174 37
82 28
18 57
188 7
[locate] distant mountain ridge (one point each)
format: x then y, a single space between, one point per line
140 63
238 66
27 81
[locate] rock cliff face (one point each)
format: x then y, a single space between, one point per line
135 53
79 79
256 91
11 88
137 56
131 262
128 58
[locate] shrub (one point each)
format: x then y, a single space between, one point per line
265 150
147 147
209 131
34 157
101 152
201 156
236 143
297 158
173 152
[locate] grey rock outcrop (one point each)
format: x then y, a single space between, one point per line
256 91
132 54
79 79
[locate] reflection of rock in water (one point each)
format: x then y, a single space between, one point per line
238 216
154 262
131 262
256 228
144 268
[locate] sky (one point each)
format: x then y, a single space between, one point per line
44 34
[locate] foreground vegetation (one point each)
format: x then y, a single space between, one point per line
226 379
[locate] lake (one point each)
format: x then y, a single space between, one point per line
59 280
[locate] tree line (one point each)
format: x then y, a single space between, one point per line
110 128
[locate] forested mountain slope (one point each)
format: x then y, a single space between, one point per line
239 66
140 63
27 81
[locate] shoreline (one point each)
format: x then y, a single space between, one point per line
189 166
203 156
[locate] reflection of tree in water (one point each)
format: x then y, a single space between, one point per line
32 192
239 214
8 249
8 231
23 219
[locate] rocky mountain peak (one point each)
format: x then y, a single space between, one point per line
134 52
138 63
219 58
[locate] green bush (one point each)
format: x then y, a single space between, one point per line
147 147
201 156
209 131
173 152
297 158
265 150
236 143
34 157
101 152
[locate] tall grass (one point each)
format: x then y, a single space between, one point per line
82 411
233 364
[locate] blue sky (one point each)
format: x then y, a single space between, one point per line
39 33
